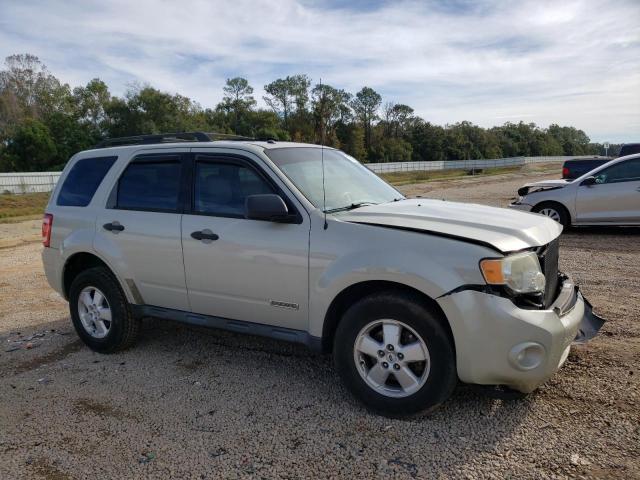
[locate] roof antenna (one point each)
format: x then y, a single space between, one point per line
324 191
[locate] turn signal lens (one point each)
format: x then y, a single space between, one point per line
520 272
492 271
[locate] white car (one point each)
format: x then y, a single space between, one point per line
409 296
607 195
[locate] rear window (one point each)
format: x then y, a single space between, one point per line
152 185
83 181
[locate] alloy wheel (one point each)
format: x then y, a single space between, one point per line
392 358
551 213
94 312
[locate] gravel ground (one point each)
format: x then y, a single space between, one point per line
195 403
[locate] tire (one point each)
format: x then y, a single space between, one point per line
419 324
92 326
555 211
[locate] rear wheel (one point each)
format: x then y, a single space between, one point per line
554 211
100 312
394 355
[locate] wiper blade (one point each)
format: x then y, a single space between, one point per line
349 207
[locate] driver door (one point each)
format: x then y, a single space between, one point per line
248 270
614 198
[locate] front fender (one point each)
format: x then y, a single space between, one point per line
347 254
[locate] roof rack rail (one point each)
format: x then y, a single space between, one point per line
172 138
228 136
155 138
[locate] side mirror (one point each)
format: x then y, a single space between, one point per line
589 181
269 207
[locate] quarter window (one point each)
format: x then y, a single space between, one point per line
83 181
628 171
220 188
151 184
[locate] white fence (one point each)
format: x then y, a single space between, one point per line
28 182
45 181
462 164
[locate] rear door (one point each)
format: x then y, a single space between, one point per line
140 228
615 198
252 270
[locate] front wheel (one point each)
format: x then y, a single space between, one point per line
394 355
554 211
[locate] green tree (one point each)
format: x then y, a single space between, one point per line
31 148
329 106
288 95
572 140
365 105
91 104
397 118
392 149
238 99
351 138
427 141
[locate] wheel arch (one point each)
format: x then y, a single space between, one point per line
555 203
81 261
351 294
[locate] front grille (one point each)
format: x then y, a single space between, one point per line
548 256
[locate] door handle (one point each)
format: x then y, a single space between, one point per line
113 227
205 234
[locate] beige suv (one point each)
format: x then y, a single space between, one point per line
303 243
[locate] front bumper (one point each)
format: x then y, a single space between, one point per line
498 343
516 205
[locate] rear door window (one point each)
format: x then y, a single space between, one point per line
83 181
151 184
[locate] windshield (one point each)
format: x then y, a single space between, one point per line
348 183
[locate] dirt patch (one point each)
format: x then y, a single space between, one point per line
93 407
47 470
48 358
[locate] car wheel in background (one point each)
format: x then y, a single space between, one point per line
394 354
554 211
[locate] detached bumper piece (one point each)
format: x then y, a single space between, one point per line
589 326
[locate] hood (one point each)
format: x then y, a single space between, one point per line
543 185
504 230
548 183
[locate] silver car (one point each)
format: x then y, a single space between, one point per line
607 195
305 244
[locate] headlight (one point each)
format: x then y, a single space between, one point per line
520 272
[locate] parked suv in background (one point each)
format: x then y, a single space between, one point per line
629 149
303 243
576 167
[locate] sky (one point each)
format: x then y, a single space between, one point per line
571 62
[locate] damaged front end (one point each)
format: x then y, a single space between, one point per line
568 296
541 187
590 325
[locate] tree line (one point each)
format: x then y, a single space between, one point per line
43 121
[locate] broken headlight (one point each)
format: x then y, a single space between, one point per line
520 272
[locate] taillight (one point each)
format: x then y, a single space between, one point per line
47 223
565 172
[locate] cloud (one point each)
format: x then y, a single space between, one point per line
570 62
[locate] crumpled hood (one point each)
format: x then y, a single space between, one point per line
542 185
503 229
548 183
